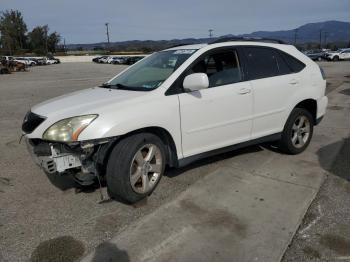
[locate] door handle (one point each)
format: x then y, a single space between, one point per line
293 82
243 91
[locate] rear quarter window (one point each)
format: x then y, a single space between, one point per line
294 64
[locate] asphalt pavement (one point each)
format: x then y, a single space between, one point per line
44 219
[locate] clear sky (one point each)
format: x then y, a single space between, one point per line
82 21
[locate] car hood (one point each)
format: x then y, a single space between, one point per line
89 101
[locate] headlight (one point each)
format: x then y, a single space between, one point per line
68 129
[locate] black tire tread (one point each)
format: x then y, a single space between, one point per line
285 144
117 175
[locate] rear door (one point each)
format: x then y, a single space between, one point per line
274 83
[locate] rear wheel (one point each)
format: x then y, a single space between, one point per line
336 58
297 132
135 167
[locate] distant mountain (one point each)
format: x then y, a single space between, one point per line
334 31
331 31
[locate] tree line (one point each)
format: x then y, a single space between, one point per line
15 38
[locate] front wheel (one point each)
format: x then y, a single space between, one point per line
135 167
297 132
336 58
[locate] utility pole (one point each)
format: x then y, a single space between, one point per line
106 24
320 38
325 39
46 46
64 45
295 36
210 33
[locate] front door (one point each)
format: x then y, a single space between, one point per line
220 115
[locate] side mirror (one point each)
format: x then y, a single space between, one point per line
196 81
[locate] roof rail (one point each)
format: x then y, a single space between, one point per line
176 45
250 39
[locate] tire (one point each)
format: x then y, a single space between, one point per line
295 138
129 159
336 58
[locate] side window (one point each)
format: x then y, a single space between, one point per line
262 62
294 64
222 68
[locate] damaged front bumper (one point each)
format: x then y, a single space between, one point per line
51 159
82 159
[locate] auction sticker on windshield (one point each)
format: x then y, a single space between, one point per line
184 52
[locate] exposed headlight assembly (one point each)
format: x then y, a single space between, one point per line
69 129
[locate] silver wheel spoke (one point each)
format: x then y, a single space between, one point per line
300 140
150 154
301 121
135 177
294 138
295 127
145 182
139 158
156 168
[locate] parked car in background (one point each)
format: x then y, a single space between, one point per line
40 61
341 54
316 55
133 59
147 117
7 58
96 59
118 60
26 61
110 59
49 61
104 59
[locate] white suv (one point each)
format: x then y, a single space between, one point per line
342 54
177 106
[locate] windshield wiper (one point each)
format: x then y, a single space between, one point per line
114 86
106 85
123 87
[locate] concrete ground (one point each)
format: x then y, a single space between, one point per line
324 234
247 210
45 220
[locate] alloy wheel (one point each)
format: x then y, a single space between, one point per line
300 131
146 168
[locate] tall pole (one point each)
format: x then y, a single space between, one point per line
325 39
295 36
320 38
46 46
106 24
210 33
64 45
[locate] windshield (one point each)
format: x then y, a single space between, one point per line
151 71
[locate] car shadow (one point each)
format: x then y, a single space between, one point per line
174 172
340 166
345 92
62 182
